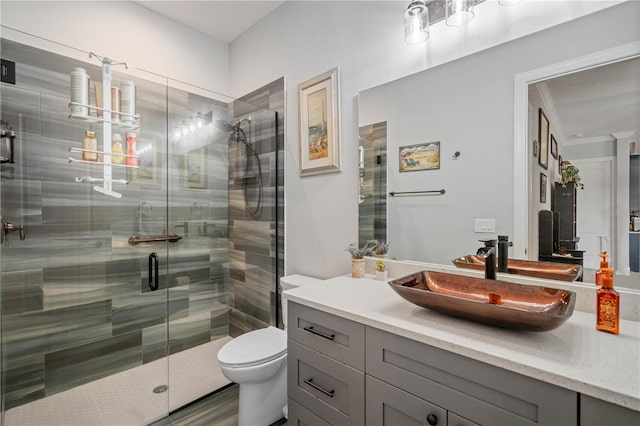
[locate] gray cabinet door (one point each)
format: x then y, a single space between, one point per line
595 412
455 420
389 406
477 391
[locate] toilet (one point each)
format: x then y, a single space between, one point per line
257 362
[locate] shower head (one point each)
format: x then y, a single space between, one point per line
223 125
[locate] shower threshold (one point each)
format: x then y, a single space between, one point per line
128 398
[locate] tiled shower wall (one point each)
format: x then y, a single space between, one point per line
372 211
76 305
256 241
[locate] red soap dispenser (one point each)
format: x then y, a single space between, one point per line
608 309
603 264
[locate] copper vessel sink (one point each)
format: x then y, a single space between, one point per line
530 268
498 303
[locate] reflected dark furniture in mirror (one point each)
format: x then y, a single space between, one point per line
564 202
549 242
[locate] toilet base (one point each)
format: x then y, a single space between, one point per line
262 403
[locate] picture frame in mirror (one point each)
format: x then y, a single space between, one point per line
543 138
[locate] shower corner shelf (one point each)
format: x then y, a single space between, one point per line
107 121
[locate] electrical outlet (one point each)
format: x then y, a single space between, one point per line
485 225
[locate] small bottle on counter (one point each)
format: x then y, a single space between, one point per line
608 305
117 150
91 143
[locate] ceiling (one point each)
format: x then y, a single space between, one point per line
223 20
592 104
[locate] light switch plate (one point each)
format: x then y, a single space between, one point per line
485 225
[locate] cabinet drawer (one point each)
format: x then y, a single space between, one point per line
389 406
339 338
477 391
329 389
300 416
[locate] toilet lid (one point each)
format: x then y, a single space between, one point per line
254 347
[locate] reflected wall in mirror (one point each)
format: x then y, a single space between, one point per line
372 183
468 105
594 115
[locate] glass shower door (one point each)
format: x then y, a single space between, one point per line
84 336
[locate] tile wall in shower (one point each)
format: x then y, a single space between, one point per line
256 241
372 215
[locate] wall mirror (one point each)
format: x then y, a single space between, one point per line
484 128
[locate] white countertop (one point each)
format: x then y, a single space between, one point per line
574 356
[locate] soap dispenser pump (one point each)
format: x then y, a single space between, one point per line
603 264
608 309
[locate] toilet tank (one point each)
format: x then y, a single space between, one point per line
293 281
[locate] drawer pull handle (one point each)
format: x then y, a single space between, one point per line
316 387
432 419
318 333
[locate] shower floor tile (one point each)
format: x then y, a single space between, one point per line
127 398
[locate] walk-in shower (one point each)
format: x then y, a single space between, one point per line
116 306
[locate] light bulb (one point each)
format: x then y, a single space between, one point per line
416 22
458 12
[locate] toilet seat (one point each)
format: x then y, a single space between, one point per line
254 348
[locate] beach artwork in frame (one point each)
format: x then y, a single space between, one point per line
319 114
424 156
194 169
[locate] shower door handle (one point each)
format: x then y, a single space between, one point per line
153 271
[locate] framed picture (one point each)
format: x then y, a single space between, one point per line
560 164
424 156
554 147
194 169
543 139
543 188
319 109
149 168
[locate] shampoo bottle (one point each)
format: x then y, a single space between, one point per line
91 145
608 309
603 264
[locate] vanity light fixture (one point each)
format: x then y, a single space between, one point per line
419 14
416 22
459 12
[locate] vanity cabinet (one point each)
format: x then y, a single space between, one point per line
325 360
470 391
595 412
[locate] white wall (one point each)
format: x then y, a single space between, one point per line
123 31
365 39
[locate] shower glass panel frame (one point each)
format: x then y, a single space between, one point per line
77 305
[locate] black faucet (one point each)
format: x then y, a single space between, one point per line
488 252
503 252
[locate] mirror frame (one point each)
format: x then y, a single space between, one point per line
521 178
